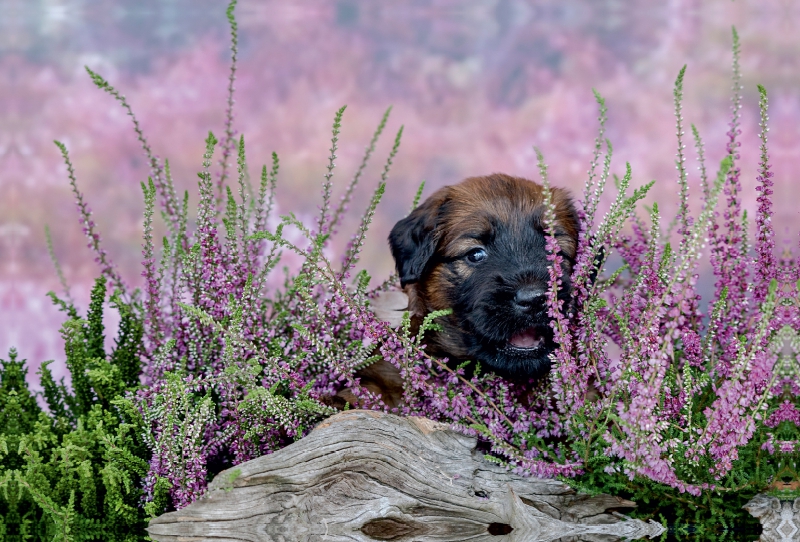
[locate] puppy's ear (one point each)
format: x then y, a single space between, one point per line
413 240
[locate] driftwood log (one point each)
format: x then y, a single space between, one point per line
364 476
780 520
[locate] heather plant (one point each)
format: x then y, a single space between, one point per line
72 471
682 405
686 411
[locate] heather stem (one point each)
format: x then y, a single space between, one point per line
701 157
107 267
242 207
229 141
342 207
323 222
680 163
59 271
591 191
766 266
164 184
152 283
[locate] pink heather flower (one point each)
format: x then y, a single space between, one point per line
788 385
786 412
692 348
769 444
787 446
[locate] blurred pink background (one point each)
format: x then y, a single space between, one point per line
477 83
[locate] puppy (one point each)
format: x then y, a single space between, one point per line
478 247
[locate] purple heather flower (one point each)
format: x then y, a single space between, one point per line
786 412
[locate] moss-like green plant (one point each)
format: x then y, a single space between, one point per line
72 472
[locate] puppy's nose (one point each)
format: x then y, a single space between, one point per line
529 297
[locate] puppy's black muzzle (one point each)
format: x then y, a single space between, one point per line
529 300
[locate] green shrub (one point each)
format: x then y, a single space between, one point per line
73 471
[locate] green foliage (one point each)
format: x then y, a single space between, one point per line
73 472
707 517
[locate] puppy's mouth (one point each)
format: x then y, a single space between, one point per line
528 340
524 354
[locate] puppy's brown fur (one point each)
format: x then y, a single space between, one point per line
478 248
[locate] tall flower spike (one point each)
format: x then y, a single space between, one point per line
351 256
206 210
247 247
342 207
730 268
108 269
266 193
229 139
163 183
701 158
766 266
152 282
554 305
323 223
680 165
592 190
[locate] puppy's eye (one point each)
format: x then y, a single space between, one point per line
477 255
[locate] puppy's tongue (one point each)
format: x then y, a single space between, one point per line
528 338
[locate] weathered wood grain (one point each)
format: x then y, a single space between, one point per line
780 520
365 476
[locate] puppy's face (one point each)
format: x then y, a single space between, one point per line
479 248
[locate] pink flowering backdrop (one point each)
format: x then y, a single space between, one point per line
477 83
